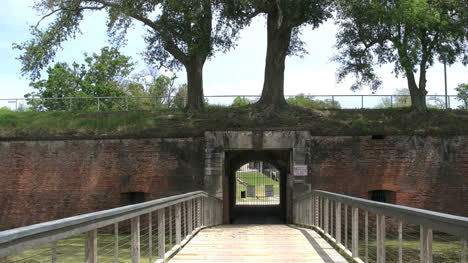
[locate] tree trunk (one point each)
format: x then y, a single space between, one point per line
195 97
418 94
279 37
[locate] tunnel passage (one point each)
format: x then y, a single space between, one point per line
255 186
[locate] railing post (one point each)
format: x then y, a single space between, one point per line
135 222
190 216
380 227
170 225
161 234
116 243
91 246
362 101
310 204
463 250
326 215
366 236
426 244
346 226
150 237
338 222
178 224
355 232
199 206
400 241
54 253
98 104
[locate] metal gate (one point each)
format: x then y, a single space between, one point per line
257 183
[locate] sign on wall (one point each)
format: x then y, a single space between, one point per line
300 170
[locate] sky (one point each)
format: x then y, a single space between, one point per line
238 72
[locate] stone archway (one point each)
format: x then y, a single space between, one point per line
280 159
283 149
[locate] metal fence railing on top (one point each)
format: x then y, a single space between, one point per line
152 103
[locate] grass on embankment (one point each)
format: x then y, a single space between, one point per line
177 123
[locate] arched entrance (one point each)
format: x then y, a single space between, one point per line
255 186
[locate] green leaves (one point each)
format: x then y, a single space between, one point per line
411 34
100 76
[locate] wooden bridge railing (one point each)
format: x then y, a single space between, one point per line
150 231
369 231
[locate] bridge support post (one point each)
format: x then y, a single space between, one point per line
199 211
426 245
135 226
380 238
178 224
355 232
91 246
161 234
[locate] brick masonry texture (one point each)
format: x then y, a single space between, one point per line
46 180
425 172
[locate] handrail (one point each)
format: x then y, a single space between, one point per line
338 217
23 238
450 224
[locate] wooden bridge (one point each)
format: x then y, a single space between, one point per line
258 243
326 227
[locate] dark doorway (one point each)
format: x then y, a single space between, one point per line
255 187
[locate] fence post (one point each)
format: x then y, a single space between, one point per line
355 232
426 244
91 246
362 101
161 234
98 104
135 222
391 101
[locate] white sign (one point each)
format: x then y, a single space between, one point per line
300 170
269 191
250 190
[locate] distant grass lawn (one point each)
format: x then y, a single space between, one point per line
258 180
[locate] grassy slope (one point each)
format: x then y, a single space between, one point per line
173 123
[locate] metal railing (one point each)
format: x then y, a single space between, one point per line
368 231
152 231
152 103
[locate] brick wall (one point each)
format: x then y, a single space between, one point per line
425 172
46 180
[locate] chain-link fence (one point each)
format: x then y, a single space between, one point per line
102 104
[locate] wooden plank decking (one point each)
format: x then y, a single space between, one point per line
257 243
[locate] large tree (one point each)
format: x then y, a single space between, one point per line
180 33
284 21
411 34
